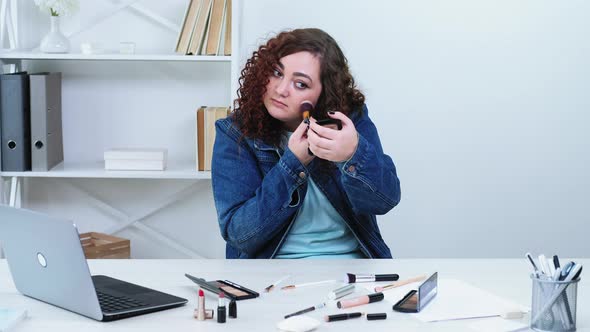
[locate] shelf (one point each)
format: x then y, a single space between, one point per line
96 170
113 57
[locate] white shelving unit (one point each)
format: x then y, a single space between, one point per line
96 170
11 183
113 57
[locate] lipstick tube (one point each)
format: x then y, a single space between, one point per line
221 314
365 299
201 307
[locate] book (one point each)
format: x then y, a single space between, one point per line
9 318
126 159
227 29
188 25
198 36
206 118
215 22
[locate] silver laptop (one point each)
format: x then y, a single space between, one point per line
47 263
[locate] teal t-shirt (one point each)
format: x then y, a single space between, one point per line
319 231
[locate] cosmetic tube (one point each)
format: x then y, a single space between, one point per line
340 292
221 309
201 306
333 318
365 299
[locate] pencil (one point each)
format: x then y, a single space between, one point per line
399 283
276 283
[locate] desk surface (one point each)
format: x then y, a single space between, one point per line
507 278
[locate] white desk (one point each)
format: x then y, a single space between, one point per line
504 277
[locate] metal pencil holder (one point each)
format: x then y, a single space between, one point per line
553 305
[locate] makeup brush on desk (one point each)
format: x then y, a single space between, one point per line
399 283
308 284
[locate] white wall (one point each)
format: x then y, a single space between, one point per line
482 105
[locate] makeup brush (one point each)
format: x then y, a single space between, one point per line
353 278
308 284
399 283
305 108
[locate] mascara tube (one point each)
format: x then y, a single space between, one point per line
333 318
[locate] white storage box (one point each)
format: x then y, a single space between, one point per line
135 159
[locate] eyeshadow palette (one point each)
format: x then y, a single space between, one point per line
235 291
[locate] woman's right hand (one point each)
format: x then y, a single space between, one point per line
299 145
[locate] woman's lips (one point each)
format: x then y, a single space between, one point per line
278 103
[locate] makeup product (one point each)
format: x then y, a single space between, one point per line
352 278
399 283
365 299
377 316
201 306
276 283
308 284
416 300
232 290
209 313
233 309
342 291
305 107
306 310
333 318
221 308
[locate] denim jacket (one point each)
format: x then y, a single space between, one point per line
259 188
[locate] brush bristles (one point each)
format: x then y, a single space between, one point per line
351 278
306 106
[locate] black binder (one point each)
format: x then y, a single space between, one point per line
16 124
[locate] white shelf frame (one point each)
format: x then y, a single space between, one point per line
113 57
96 170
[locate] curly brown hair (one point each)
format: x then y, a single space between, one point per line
339 91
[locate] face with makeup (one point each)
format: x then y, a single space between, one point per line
296 78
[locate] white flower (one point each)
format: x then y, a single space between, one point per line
58 7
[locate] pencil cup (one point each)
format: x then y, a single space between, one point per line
553 307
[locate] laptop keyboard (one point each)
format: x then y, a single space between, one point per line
110 303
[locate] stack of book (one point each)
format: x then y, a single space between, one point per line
126 159
30 121
206 29
205 125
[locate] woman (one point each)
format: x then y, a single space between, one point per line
285 187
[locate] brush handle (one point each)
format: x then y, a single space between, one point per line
400 283
386 277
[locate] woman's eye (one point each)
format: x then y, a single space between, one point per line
277 73
301 85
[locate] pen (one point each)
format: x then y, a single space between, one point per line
530 257
321 305
543 265
556 261
276 283
333 318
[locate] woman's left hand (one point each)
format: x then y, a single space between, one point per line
333 144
